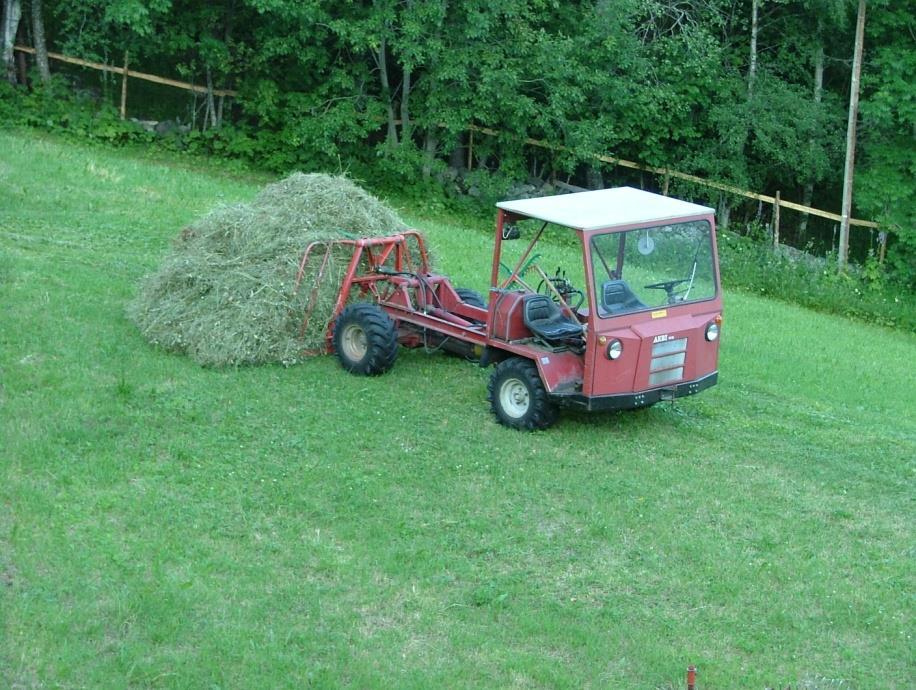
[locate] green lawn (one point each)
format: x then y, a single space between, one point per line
164 525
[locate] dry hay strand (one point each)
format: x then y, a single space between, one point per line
225 293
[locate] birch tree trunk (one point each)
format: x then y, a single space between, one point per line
808 194
752 64
41 46
12 12
211 107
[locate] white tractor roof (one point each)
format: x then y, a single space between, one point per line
604 208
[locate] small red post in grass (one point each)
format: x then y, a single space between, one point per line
691 678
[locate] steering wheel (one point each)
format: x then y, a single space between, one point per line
668 286
573 296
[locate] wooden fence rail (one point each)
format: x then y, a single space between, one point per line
668 173
131 73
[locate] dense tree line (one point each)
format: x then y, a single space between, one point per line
753 92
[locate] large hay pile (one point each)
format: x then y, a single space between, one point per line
224 295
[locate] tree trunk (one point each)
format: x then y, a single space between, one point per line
724 215
124 87
12 12
205 121
22 65
381 59
429 147
752 65
456 157
808 194
227 39
405 107
776 221
211 106
41 47
849 168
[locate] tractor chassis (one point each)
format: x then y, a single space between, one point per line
393 272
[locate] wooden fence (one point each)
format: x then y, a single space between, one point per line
666 173
131 73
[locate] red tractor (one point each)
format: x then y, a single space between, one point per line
634 320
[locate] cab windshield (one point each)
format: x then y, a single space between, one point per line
653 267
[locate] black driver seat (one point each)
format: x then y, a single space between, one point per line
545 319
618 298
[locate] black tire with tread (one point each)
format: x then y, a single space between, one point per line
541 412
381 339
472 297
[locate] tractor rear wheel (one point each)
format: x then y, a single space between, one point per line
472 297
456 347
518 397
365 339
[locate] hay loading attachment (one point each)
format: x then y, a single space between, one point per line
643 326
392 275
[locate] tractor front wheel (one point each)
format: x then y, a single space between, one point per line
365 339
518 397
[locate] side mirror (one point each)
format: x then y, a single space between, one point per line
511 232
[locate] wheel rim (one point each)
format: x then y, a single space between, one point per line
514 398
353 342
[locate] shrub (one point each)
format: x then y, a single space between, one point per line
794 276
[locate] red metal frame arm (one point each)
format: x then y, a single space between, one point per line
514 275
497 248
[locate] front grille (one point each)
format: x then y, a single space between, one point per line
667 361
669 346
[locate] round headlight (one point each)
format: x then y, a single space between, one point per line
712 331
614 349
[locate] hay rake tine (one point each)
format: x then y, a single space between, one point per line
314 293
302 264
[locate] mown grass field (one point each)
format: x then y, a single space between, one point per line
164 525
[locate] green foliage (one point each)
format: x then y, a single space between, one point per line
392 86
98 28
885 179
304 143
56 108
747 263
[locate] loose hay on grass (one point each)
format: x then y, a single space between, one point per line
224 294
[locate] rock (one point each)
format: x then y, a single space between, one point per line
148 125
166 127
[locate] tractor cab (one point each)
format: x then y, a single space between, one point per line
630 316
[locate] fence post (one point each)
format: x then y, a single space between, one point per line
124 88
666 181
776 222
882 246
691 677
849 168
